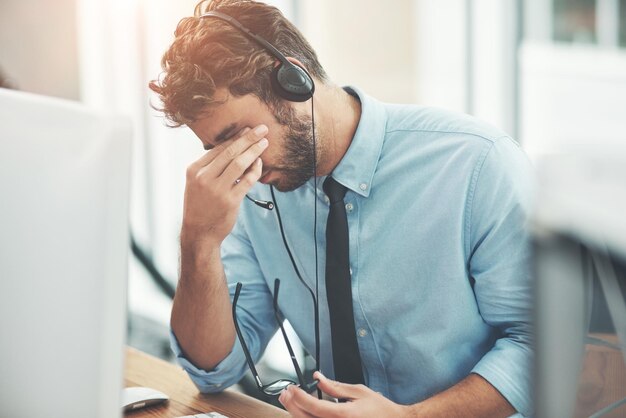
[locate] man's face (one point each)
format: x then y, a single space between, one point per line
288 160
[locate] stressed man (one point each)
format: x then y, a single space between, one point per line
398 235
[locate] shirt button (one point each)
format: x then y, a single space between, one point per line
363 186
362 332
326 199
350 271
349 207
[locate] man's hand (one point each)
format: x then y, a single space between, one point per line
216 185
362 402
218 182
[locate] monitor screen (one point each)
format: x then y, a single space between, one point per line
64 197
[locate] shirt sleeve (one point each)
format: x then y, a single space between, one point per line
497 238
255 315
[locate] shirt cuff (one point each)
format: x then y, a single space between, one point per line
507 367
227 373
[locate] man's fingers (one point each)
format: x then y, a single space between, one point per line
210 155
251 176
295 411
240 164
235 149
337 389
299 403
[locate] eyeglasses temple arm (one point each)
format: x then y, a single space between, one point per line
246 352
296 366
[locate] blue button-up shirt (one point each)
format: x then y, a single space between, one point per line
437 205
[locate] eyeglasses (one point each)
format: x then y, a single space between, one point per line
275 388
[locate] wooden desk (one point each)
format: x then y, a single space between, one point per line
602 380
145 370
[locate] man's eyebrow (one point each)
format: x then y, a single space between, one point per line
222 135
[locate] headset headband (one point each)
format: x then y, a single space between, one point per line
251 34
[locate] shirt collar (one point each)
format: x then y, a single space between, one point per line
356 168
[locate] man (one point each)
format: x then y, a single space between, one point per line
435 205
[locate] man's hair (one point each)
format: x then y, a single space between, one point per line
208 54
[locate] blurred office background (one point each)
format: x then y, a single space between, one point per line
552 73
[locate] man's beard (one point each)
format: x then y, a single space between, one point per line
298 159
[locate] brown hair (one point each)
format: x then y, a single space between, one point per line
208 54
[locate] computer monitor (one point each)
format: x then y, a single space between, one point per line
64 197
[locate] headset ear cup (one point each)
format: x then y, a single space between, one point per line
292 83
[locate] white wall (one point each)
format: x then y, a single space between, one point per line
365 43
38 46
440 53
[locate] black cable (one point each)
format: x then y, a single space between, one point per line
317 281
146 261
295 267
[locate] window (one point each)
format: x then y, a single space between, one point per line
575 21
598 22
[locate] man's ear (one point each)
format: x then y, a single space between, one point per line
293 61
297 62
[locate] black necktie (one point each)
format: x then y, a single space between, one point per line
346 357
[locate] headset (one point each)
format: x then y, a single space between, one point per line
288 81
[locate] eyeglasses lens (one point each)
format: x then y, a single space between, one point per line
277 387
